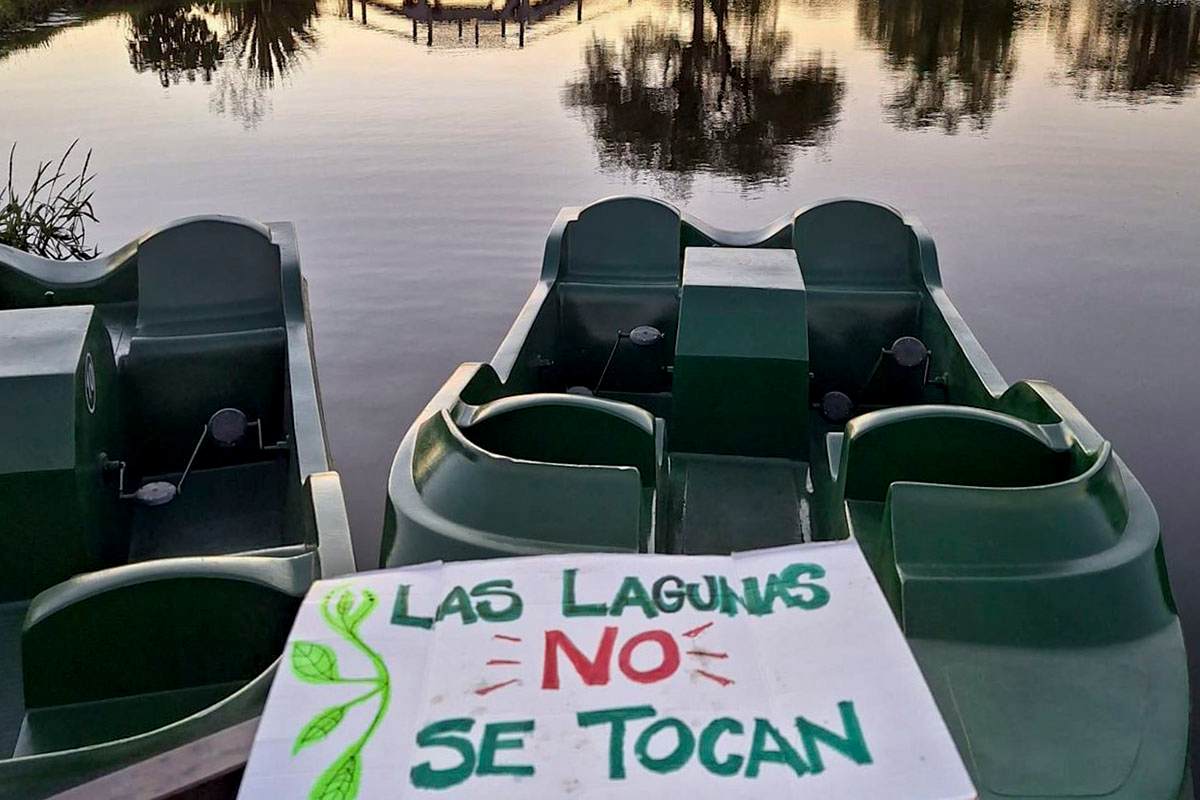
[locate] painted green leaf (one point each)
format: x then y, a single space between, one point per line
314 663
340 780
319 727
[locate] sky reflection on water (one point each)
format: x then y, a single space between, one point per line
730 86
1050 147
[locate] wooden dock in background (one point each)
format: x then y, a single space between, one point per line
520 12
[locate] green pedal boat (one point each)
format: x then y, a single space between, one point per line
166 489
672 388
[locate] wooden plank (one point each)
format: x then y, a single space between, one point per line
166 774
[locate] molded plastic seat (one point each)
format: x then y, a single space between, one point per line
865 289
567 429
462 501
621 269
947 445
594 314
132 648
244 370
970 510
209 335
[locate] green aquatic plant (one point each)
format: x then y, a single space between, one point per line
313 662
50 218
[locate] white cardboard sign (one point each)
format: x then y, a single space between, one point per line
775 673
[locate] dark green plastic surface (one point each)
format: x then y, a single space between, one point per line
741 354
128 629
1020 556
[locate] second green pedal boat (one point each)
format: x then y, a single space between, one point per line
166 495
673 388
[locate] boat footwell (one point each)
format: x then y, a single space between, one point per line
709 494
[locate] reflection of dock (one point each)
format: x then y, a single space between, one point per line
522 13
512 10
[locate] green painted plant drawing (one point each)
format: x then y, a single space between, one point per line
313 662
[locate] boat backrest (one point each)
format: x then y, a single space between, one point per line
530 504
857 245
208 275
865 288
567 429
592 317
848 330
209 335
953 445
173 384
623 240
620 268
159 626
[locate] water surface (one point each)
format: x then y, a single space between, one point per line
1053 148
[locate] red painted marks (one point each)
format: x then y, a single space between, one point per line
504 638
694 632
719 679
501 662
707 654
489 689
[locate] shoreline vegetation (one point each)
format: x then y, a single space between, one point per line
14 13
22 21
49 219
29 23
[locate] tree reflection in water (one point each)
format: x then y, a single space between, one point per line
263 40
259 42
735 104
174 43
953 59
266 36
1132 51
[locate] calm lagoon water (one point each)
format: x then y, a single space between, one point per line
1053 148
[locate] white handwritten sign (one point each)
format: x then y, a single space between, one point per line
780 673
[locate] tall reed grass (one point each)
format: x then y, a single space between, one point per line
50 218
